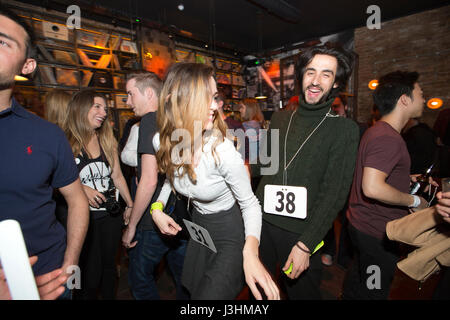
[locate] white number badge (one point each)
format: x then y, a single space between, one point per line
285 201
200 235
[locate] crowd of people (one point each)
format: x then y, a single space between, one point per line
202 197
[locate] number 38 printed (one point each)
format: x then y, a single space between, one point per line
286 201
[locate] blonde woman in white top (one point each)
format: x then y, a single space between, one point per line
211 174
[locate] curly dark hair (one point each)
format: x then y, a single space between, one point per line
344 58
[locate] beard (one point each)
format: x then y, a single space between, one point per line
324 97
6 81
7 77
6 85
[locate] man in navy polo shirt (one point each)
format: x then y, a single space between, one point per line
35 158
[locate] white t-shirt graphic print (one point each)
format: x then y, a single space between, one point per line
95 173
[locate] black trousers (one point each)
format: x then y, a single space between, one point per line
372 271
275 246
344 250
97 259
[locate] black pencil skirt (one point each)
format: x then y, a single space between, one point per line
216 276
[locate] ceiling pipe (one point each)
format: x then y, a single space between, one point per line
279 8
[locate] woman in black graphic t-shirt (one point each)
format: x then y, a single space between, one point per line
95 150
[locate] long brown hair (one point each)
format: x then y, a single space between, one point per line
185 98
77 128
56 102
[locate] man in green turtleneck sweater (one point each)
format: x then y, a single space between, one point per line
320 155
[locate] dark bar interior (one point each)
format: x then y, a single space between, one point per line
255 51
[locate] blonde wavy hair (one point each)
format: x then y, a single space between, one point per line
185 99
77 127
56 102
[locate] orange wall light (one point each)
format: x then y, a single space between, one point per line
434 103
373 84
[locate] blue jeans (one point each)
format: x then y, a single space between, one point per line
145 257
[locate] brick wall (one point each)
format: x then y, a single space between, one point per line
419 42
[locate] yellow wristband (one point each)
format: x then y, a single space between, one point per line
318 247
288 271
156 205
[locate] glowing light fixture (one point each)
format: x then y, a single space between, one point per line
373 84
148 55
20 78
434 103
181 7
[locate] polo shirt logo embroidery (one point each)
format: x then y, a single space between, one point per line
29 151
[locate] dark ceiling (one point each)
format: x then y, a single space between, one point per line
234 24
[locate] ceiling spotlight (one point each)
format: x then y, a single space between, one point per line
181 7
206 45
